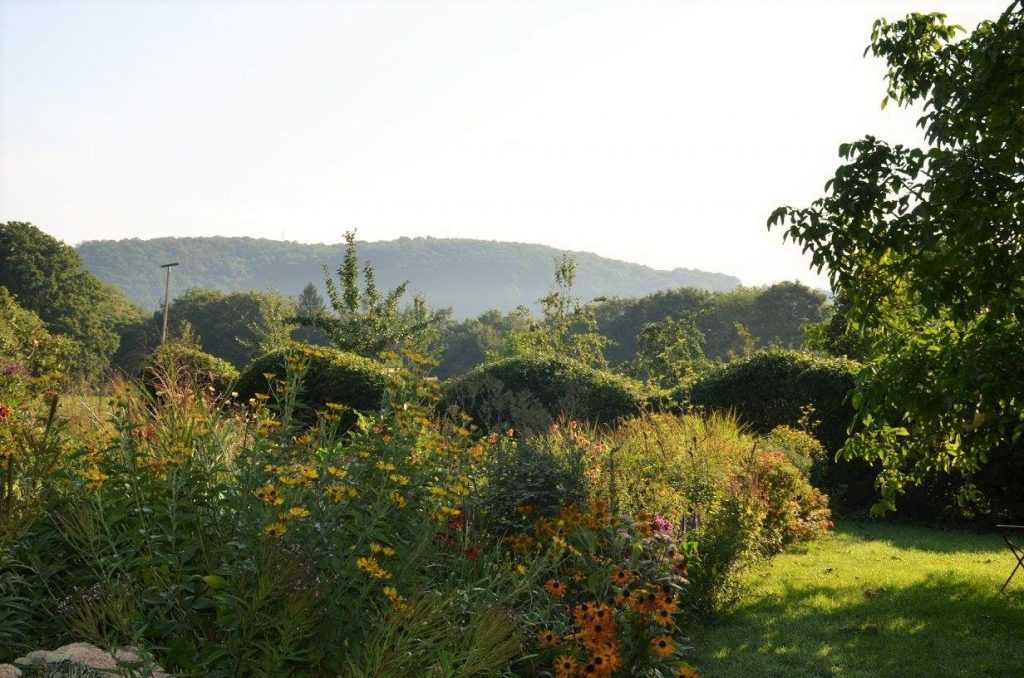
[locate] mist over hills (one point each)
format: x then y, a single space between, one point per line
470 276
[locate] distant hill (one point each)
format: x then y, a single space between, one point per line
470 276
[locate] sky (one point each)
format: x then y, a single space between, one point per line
662 133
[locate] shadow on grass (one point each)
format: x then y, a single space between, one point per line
937 627
929 539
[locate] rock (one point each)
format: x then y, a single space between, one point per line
88 656
9 671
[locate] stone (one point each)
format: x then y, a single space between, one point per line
9 671
85 655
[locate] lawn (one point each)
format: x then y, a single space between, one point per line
875 600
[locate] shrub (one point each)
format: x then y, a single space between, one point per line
530 393
330 376
800 448
180 364
527 479
734 496
790 388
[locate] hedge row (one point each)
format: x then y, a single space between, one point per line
530 393
331 377
790 388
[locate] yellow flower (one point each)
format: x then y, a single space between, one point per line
297 512
372 568
309 472
398 500
337 472
399 479
336 493
275 529
662 645
686 671
383 466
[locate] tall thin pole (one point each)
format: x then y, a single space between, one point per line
167 299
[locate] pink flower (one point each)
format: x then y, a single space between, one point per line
661 524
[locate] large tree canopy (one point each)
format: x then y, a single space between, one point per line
926 247
47 277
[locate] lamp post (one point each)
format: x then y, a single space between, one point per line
167 298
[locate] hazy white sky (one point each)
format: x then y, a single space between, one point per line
657 132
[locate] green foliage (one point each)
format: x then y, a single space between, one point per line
33 366
568 329
775 388
469 343
926 245
47 277
179 363
670 352
470 276
364 321
235 327
330 376
529 393
772 316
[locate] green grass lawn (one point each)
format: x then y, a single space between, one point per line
874 600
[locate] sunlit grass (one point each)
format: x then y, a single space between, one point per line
875 600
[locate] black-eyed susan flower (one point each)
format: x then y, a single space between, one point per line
686 671
662 645
663 616
621 576
555 588
565 666
275 530
548 638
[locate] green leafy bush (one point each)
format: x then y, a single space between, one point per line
530 393
181 364
528 473
790 388
330 376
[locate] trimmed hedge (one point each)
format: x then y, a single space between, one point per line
771 388
331 377
190 365
530 393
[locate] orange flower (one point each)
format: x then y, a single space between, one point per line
548 638
686 671
663 616
565 666
662 645
621 576
555 588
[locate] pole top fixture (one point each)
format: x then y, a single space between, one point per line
168 265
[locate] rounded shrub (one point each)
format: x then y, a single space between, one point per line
177 364
530 393
331 376
791 388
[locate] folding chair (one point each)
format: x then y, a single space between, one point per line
1009 533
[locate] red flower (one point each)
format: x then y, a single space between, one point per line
456 522
472 553
5 411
